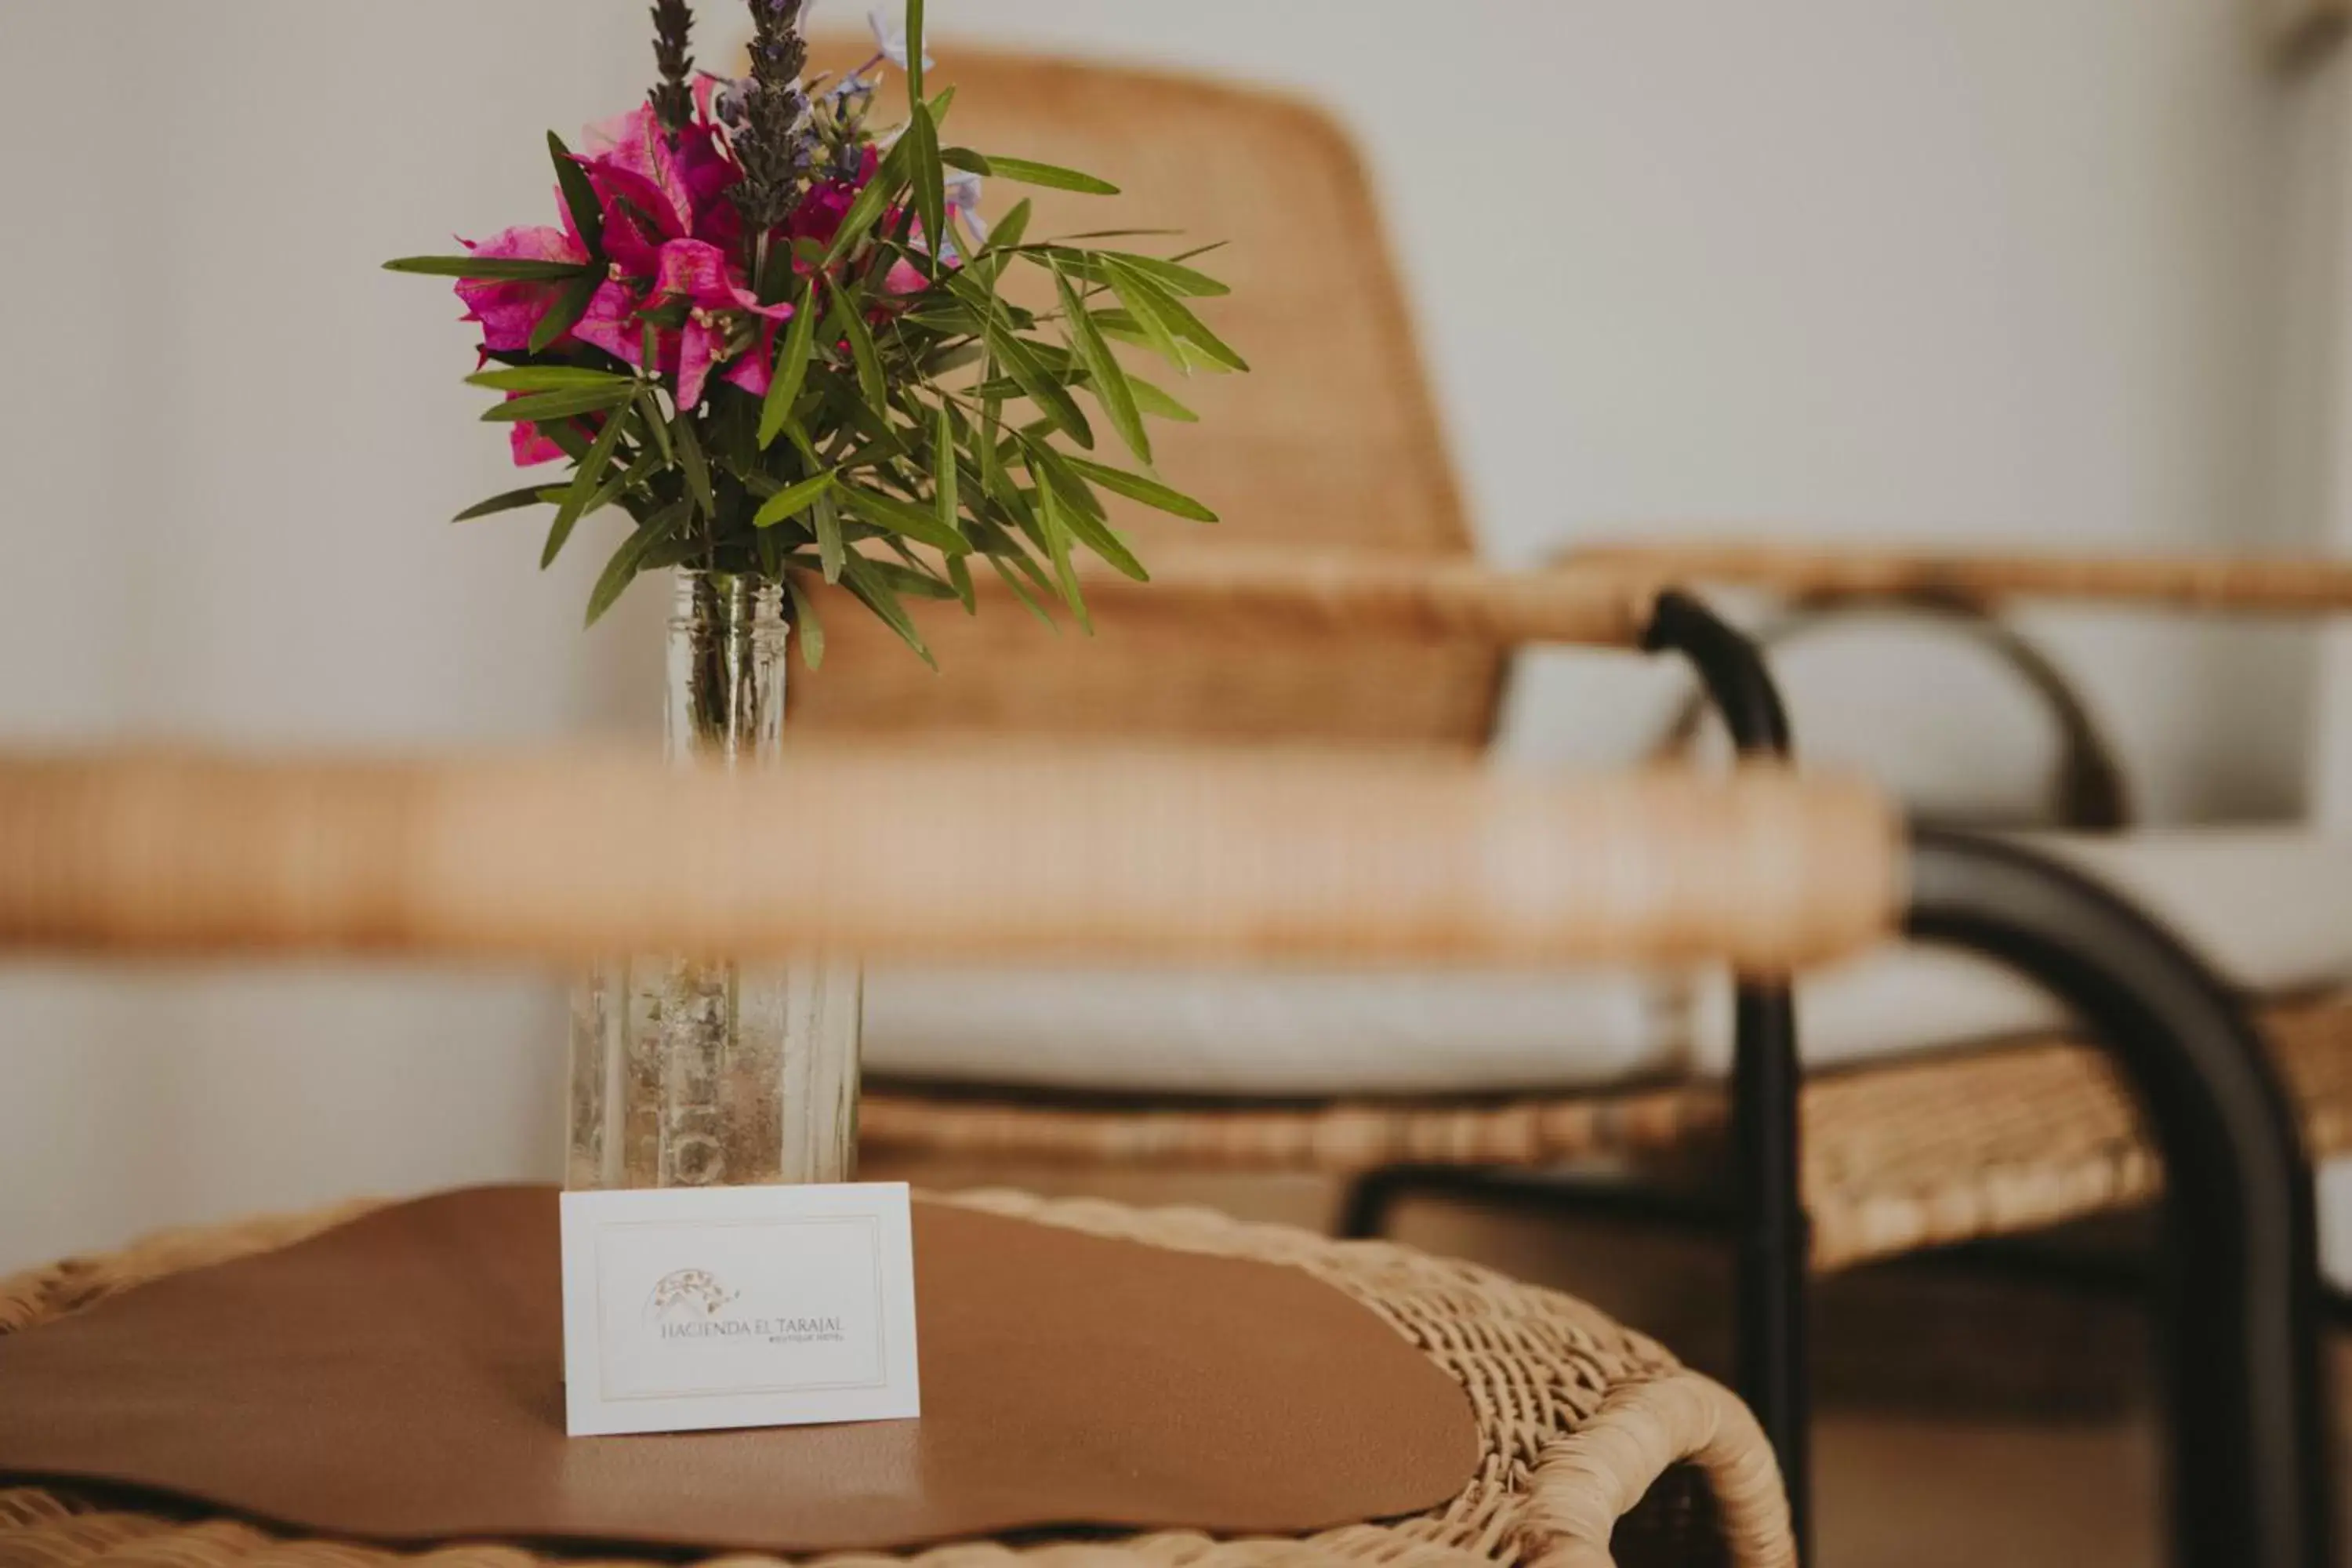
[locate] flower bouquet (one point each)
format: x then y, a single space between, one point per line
772 333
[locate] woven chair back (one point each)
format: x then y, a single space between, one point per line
1332 444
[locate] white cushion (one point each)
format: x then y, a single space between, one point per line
2271 907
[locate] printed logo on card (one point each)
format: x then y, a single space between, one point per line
681 1296
691 1305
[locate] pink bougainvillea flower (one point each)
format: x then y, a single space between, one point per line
532 448
755 372
819 216
612 323
652 193
696 274
508 312
710 176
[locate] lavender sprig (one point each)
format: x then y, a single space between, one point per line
774 153
672 100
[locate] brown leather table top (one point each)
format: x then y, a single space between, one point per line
399 1379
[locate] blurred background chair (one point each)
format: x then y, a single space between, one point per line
1393 1075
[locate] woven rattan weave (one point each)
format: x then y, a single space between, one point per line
1897 1157
1581 1422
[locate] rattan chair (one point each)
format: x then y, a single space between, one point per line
1328 465
1329 469
1947 1149
1240 858
1328 462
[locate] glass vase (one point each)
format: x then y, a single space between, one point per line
690 1074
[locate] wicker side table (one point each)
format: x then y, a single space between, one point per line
1596 1440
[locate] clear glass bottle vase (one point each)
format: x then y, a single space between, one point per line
686 1074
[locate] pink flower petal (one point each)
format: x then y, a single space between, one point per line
755 370
708 174
631 157
698 350
610 324
697 270
532 448
509 312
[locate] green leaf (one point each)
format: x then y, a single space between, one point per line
622 570
1141 321
942 102
923 166
735 421
547 378
916 522
571 307
915 55
804 617
953 360
1103 368
859 576
567 437
871 203
964 158
1052 398
513 500
1136 292
658 422
491 268
649 460
832 552
538 409
1172 276
695 467
1012 227
1154 400
584 487
792 370
943 472
1021 170
579 195
1021 591
960 577
792 502
1151 492
996 541
910 583
1057 544
990 460
849 323
1081 513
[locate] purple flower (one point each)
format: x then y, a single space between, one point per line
891 38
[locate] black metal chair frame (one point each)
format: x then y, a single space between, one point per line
2236 1286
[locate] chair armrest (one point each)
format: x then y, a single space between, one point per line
1433 597
2217 584
930 851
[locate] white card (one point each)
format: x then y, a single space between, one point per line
691 1310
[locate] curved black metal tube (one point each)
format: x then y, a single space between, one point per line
1774 1240
1772 1364
2238 1276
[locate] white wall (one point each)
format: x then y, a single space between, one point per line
1936 270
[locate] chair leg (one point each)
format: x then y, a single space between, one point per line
1771 1355
1773 1374
2238 1280
1370 1201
